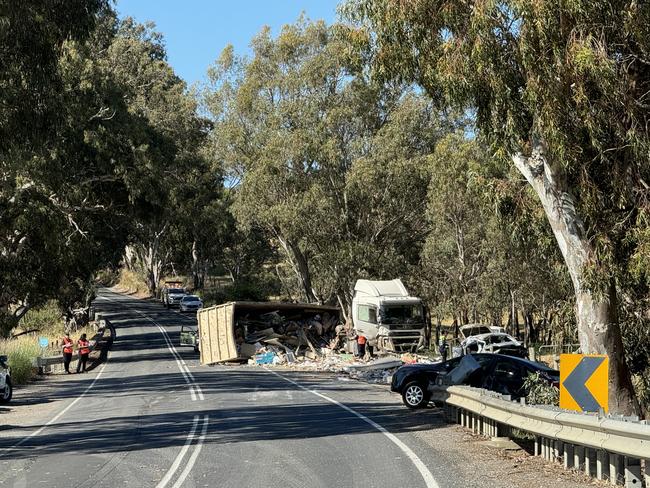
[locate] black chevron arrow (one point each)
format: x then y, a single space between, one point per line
575 383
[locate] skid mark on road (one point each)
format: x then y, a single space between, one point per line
429 480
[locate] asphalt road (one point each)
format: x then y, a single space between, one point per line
153 417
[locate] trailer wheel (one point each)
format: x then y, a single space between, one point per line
415 395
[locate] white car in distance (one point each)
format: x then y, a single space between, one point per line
190 303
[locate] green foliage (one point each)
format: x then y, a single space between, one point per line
562 91
540 391
44 319
21 353
330 164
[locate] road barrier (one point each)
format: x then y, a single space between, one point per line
606 447
101 341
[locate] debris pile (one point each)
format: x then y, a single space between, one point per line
310 341
274 338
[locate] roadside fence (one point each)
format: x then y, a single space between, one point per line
606 447
101 341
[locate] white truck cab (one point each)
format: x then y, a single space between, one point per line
388 317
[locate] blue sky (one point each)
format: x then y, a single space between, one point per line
197 30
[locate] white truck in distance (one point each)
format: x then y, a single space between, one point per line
385 314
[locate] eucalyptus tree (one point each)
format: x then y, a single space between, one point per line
562 91
169 154
50 206
329 162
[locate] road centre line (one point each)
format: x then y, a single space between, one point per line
429 480
177 462
195 389
195 455
59 415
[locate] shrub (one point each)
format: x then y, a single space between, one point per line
43 319
540 391
22 353
131 282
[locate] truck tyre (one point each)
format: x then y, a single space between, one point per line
7 392
415 395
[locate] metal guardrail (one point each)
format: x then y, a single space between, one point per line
606 447
96 342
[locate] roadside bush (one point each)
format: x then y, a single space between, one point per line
131 282
108 277
43 320
540 392
21 353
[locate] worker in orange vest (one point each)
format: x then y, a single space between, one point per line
68 345
84 350
361 343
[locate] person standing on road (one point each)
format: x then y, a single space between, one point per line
84 351
444 348
361 343
68 345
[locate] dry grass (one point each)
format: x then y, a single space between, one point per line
131 282
21 352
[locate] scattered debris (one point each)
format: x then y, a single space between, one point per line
291 335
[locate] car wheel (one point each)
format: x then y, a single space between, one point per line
7 392
415 395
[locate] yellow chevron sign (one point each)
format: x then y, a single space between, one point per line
584 382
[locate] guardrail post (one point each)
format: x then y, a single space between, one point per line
614 468
537 446
632 472
558 446
568 455
647 472
549 449
588 459
578 457
602 460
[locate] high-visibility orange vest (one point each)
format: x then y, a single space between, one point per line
67 345
83 346
361 340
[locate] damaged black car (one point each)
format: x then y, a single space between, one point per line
496 372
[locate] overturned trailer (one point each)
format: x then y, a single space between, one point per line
229 331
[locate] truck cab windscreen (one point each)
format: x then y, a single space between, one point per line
402 314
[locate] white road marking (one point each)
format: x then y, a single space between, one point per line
429 480
195 389
57 416
195 455
181 455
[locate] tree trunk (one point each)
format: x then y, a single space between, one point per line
197 275
301 268
598 328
